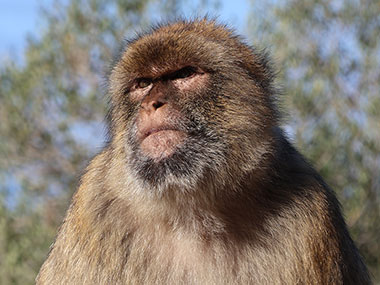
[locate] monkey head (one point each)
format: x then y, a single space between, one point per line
190 100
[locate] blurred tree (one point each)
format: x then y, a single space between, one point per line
329 55
52 110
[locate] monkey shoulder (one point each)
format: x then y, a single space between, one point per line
309 218
97 217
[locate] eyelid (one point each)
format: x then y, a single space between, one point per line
142 83
177 74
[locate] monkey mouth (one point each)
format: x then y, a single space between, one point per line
161 142
153 131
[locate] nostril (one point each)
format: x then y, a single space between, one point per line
157 104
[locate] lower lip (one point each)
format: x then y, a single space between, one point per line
162 144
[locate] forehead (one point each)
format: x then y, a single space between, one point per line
173 46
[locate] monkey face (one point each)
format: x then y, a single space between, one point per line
170 140
183 105
159 129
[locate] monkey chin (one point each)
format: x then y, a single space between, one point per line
162 143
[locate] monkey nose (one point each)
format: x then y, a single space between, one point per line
155 100
152 105
157 104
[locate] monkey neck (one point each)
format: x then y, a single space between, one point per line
206 209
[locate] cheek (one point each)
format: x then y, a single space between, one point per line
138 94
127 113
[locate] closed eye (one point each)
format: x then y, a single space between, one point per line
185 72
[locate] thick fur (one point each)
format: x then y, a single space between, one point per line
234 204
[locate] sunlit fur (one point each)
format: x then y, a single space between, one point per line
235 203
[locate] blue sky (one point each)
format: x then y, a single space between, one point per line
18 18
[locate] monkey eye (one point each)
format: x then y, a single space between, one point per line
143 82
185 72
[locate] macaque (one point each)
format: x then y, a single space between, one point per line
198 183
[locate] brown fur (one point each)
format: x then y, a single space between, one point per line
234 203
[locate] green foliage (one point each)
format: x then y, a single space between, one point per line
24 240
329 55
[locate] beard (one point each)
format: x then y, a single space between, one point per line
202 152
